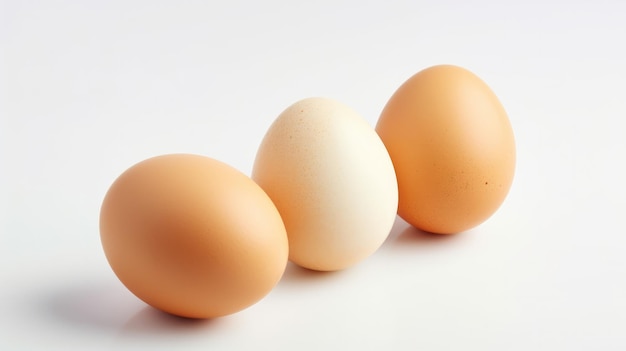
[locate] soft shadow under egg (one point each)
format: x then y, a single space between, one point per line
89 305
152 322
413 235
296 275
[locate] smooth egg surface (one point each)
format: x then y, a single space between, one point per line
192 236
452 148
331 179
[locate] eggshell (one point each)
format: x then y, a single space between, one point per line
192 236
452 147
332 181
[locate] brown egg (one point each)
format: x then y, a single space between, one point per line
452 147
192 236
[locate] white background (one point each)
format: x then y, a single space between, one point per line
89 88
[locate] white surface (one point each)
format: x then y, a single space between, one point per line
88 89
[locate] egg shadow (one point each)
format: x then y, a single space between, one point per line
414 236
398 226
96 307
151 322
89 305
404 235
296 275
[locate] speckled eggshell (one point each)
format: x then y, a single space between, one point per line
331 179
452 147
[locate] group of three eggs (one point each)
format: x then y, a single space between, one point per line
194 237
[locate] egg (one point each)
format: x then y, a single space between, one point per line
192 236
332 180
452 147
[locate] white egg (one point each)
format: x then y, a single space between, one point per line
332 180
